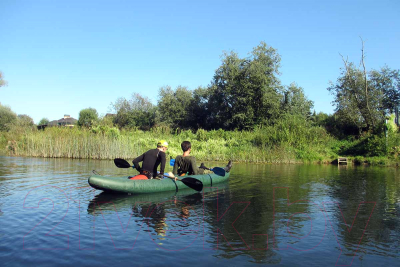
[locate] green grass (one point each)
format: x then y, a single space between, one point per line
262 145
285 142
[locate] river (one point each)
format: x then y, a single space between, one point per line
285 215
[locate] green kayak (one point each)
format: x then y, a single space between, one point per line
126 185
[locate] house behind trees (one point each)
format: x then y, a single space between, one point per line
67 121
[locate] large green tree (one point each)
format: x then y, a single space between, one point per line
135 112
387 81
245 92
87 117
364 99
175 105
295 101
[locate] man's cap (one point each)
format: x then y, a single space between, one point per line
162 143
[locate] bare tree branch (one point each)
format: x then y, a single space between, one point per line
366 83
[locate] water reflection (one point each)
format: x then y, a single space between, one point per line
167 215
293 215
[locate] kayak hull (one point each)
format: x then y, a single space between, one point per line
125 185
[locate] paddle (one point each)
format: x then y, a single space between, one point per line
217 170
188 181
121 163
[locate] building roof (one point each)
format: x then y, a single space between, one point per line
63 121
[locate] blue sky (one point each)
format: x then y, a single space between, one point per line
60 57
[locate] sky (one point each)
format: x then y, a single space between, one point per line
60 57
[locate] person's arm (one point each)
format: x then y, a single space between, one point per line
136 162
163 160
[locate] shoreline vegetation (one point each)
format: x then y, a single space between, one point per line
277 144
245 114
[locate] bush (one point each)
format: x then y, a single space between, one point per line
7 117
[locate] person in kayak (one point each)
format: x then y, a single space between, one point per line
151 160
186 164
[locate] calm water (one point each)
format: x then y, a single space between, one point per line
287 215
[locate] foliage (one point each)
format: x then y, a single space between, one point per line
388 82
2 81
112 132
363 99
371 145
244 92
108 142
44 121
87 117
244 114
137 112
25 120
106 120
338 125
7 117
174 105
295 102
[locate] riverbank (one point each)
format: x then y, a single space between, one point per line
267 145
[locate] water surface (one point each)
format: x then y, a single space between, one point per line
286 215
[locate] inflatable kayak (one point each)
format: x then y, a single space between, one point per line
127 185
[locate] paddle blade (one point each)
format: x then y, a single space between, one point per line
121 163
193 183
219 171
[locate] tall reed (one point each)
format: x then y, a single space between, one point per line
287 142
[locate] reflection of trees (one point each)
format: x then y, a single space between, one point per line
368 184
255 184
254 220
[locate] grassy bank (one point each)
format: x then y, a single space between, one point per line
271 144
285 142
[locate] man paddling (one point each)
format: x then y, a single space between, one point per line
186 164
151 160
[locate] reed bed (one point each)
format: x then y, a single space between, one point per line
278 144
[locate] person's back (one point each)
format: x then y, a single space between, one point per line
186 164
151 160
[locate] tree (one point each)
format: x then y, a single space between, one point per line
365 98
25 120
174 106
2 81
44 121
87 117
198 113
136 112
295 102
388 82
245 92
7 117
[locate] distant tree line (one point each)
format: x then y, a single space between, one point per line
245 94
